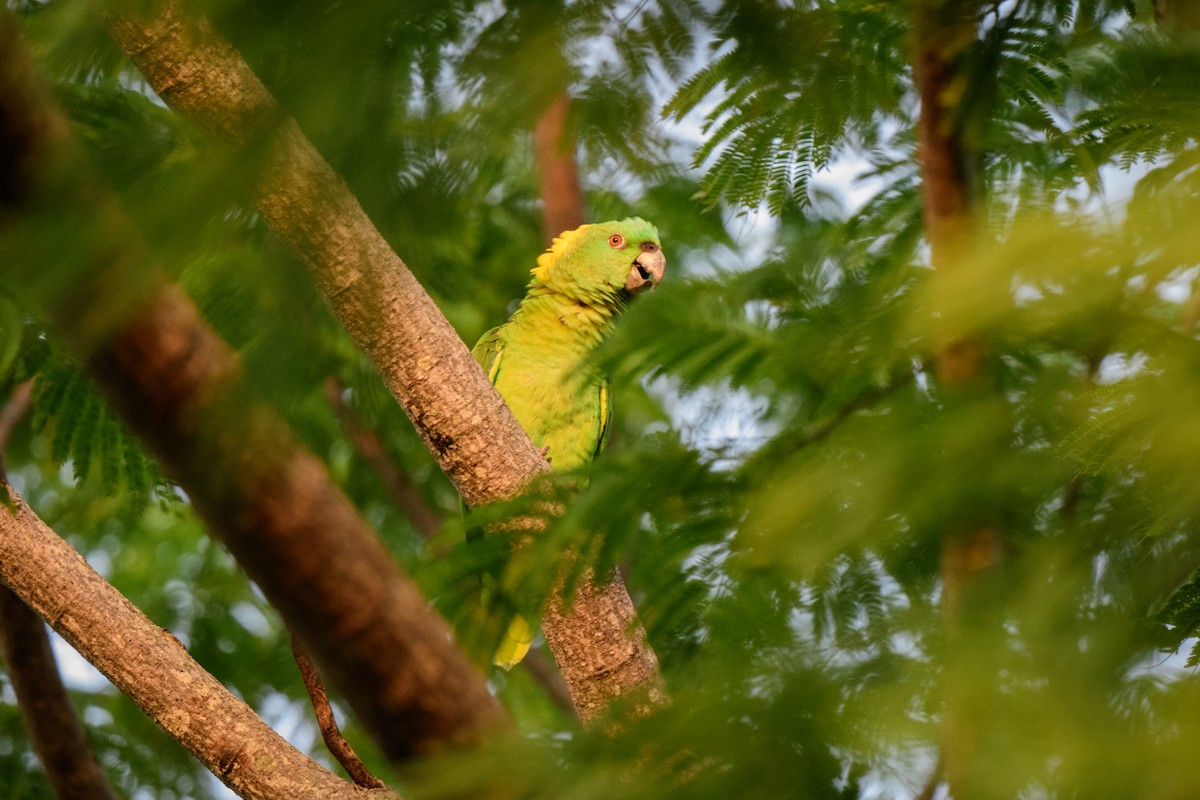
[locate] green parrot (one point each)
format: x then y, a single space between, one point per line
535 360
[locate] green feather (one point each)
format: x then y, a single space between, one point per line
538 359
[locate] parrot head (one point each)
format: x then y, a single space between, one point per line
603 263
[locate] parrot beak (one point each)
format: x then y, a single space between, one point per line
647 270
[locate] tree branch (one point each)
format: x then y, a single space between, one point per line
153 668
420 358
612 658
180 388
330 733
453 406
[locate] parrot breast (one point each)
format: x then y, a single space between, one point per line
557 404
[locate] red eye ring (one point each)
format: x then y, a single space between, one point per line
616 241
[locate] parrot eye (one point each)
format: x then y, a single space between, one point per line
616 241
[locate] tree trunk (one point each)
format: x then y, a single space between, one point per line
604 655
554 151
943 30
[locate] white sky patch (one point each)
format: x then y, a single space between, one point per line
754 235
1117 185
250 617
1119 366
101 561
290 720
846 179
96 717
77 673
721 421
1177 288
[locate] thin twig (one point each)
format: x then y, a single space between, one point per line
330 732
821 428
370 446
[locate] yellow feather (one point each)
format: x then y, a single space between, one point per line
564 243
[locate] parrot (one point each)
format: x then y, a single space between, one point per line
536 359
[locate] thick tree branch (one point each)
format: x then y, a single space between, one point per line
153 668
457 412
608 652
180 388
613 658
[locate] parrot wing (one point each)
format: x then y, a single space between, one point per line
518 636
489 352
605 417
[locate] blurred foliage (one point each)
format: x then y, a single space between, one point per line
786 467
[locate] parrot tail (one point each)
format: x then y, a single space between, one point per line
515 644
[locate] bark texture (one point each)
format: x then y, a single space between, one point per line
612 658
268 499
453 406
153 668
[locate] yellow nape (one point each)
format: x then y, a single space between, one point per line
564 242
515 644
